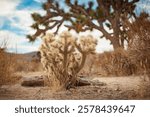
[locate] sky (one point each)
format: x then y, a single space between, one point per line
15 22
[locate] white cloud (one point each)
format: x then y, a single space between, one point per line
15 42
7 7
9 11
24 19
103 45
11 38
19 19
24 22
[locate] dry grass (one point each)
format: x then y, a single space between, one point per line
90 68
113 63
28 66
7 64
116 63
24 64
139 50
140 43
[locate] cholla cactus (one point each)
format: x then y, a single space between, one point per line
88 43
64 57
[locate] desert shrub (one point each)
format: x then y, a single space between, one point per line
28 66
27 63
139 48
6 68
116 63
89 67
134 60
64 56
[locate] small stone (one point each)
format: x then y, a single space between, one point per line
118 89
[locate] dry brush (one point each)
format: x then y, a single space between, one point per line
7 64
139 49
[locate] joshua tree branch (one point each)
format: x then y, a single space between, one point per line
87 18
81 65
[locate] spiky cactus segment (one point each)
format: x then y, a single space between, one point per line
64 56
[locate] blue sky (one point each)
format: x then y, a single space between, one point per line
15 21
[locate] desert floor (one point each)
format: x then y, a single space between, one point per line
132 87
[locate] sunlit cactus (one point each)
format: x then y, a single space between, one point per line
63 57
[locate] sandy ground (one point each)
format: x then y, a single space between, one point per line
131 87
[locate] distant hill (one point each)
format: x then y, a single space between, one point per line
31 56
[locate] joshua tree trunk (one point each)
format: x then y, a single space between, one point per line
115 43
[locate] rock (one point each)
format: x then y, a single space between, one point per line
33 81
99 91
117 89
83 82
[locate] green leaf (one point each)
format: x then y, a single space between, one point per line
91 4
67 1
100 13
34 26
36 16
31 39
44 6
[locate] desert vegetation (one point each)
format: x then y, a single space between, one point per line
117 63
110 14
7 64
65 60
139 48
27 62
116 25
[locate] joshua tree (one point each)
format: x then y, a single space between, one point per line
64 57
98 15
